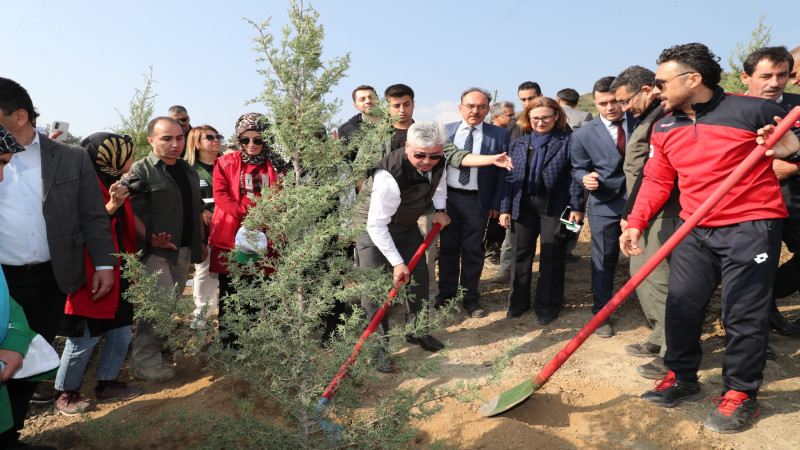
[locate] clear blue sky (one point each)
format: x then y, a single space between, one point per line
81 60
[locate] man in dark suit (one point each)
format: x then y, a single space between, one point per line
461 251
766 74
598 149
51 209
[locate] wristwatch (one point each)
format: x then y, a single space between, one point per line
440 210
793 158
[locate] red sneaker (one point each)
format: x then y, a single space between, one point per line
733 413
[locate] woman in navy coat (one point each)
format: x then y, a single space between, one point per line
537 192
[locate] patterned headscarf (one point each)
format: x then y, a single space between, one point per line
259 123
109 153
8 143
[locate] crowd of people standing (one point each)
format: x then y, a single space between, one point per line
660 142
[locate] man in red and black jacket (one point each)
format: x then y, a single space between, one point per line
708 134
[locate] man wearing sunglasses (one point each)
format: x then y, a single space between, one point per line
180 115
707 136
634 90
766 73
401 186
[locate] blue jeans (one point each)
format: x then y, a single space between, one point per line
77 352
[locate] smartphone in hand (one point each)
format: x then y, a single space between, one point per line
60 126
574 227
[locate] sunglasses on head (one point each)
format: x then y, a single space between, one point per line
434 157
256 141
212 137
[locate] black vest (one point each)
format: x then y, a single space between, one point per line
416 193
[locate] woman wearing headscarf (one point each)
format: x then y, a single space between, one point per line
239 178
203 147
537 192
86 319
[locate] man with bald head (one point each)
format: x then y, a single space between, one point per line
172 213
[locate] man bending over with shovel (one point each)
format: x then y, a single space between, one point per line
708 134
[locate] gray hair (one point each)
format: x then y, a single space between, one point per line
477 89
426 134
499 108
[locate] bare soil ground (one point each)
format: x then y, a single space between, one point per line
591 402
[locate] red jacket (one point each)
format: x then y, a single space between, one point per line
702 153
80 303
230 204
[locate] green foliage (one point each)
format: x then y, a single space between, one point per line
140 111
586 103
759 37
277 319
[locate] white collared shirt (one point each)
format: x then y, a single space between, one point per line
458 140
384 201
23 232
612 129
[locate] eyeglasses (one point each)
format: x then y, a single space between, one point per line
659 84
627 100
183 119
256 141
212 137
545 119
478 107
433 157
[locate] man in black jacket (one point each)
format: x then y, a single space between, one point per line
364 98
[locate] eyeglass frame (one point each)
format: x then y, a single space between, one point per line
543 119
624 103
470 106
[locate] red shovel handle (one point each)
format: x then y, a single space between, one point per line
379 316
754 157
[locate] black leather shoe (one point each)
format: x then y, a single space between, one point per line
428 342
780 325
544 320
475 310
770 353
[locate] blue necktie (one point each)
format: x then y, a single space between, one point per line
463 175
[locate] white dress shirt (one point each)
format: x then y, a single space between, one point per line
612 129
458 140
23 232
384 201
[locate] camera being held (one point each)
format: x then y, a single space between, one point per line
135 185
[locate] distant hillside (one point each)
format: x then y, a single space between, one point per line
586 103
